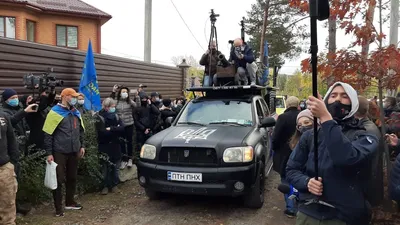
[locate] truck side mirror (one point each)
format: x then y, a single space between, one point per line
268 122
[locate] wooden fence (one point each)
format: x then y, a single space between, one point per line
20 57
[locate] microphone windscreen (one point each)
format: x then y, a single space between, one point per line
284 188
323 9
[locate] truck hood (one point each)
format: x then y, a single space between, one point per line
215 136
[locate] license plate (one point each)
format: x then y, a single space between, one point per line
188 177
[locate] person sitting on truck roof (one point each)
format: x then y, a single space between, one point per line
243 57
210 60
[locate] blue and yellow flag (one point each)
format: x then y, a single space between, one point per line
89 86
56 115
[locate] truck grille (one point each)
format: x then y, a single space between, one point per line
193 156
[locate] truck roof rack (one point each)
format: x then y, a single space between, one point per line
232 91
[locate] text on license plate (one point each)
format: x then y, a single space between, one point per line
188 177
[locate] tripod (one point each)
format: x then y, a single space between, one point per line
213 33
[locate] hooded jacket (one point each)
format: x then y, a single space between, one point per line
344 152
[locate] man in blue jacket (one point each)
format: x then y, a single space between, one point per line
344 153
243 57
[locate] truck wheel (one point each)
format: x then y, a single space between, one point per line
255 198
152 195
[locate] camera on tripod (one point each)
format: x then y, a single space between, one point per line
41 81
213 16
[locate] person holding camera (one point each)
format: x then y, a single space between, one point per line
13 108
210 60
243 57
63 142
125 109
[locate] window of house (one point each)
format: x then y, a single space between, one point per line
30 30
7 27
67 36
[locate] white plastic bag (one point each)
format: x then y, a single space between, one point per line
50 179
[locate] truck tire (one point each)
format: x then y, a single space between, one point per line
152 195
255 198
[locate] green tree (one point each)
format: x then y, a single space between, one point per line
281 81
300 85
285 35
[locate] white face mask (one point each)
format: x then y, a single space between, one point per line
81 102
124 95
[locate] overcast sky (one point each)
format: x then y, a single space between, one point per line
123 35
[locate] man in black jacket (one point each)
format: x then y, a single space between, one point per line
8 155
283 131
210 60
63 142
144 120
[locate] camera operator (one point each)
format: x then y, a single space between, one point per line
242 56
36 120
210 60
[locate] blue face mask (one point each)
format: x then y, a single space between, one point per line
112 110
73 101
13 102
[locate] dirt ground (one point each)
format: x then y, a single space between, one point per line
131 206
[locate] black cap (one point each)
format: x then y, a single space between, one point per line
154 94
142 86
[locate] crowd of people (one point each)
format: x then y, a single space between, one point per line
350 149
54 124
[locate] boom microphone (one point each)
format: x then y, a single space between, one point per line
323 9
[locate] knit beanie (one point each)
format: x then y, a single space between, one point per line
305 113
7 93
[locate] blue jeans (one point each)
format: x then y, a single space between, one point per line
291 205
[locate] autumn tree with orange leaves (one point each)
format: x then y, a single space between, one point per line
358 68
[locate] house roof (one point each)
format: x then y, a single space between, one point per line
64 6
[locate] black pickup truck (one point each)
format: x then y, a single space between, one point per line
219 144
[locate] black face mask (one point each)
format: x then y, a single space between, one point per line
305 128
339 110
144 103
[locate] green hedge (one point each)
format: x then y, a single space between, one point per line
31 183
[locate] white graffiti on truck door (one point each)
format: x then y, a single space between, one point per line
191 134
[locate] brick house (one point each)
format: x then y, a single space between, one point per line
63 23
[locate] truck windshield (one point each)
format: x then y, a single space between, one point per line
217 111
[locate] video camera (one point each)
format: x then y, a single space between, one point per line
223 61
41 81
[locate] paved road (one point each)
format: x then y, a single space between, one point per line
132 207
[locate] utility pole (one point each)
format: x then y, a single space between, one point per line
264 28
394 28
147 30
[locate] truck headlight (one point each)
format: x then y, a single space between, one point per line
148 152
238 154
